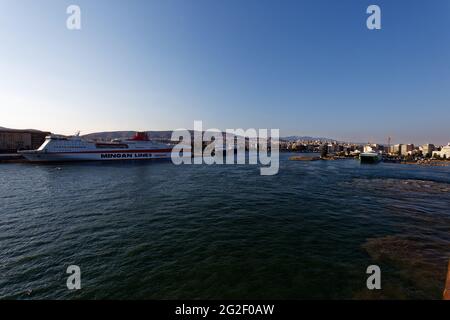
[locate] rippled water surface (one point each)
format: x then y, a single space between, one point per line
152 230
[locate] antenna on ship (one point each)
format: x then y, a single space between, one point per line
77 134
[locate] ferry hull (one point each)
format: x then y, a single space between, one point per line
103 156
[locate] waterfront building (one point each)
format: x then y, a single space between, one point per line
12 140
334 147
443 153
395 149
427 149
406 149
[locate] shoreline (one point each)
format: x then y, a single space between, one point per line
17 158
425 163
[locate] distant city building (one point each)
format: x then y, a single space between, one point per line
12 140
443 153
427 149
406 149
395 149
331 148
345 148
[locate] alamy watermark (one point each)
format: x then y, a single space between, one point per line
74 280
374 280
374 20
234 146
73 22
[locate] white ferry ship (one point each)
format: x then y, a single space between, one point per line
60 148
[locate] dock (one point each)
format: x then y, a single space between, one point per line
11 157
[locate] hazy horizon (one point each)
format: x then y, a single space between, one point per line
308 68
283 136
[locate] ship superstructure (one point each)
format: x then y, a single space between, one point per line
370 154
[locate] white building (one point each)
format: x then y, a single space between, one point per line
444 153
427 149
395 149
406 149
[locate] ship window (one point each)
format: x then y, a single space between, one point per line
111 146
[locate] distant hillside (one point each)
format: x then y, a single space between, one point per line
21 130
153 135
156 135
296 138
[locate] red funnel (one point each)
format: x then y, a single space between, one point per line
140 136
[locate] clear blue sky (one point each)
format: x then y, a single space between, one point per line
305 67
